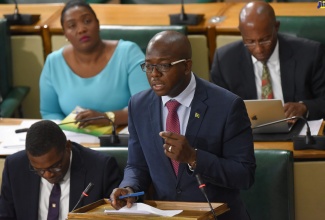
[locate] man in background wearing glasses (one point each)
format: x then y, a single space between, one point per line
184 126
296 66
50 160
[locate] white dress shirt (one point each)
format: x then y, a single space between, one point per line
274 68
45 192
185 99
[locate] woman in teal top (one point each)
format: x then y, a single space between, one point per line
94 74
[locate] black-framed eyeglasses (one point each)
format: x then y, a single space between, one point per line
55 168
261 43
164 67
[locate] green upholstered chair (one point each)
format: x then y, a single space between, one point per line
11 97
304 26
272 195
141 35
120 154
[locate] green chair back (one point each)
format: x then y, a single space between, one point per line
272 195
120 154
11 97
140 35
304 26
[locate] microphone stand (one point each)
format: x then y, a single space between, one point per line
302 142
185 19
21 19
84 194
201 186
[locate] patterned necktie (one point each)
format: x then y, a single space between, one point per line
54 203
267 92
172 125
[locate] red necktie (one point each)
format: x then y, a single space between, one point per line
172 124
54 204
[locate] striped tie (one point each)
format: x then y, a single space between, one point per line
172 125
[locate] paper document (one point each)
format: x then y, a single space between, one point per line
314 127
144 209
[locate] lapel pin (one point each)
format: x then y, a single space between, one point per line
197 115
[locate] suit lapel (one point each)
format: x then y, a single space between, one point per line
248 79
77 178
32 195
156 127
287 68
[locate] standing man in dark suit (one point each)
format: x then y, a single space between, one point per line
51 160
214 138
296 65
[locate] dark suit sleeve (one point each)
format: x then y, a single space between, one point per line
234 167
112 176
7 210
316 105
216 73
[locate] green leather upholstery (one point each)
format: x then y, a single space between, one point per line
141 35
120 154
272 195
304 26
11 96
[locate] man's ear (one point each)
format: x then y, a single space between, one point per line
188 66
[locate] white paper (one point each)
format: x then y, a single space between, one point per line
141 208
314 127
124 130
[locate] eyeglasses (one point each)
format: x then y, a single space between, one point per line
165 67
261 43
55 168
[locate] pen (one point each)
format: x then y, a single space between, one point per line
131 195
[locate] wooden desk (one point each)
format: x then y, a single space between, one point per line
230 24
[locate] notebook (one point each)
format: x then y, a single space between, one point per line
263 111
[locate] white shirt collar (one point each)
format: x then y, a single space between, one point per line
184 98
274 56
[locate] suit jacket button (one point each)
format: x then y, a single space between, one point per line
179 191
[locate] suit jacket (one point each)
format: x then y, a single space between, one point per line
302 66
218 127
20 187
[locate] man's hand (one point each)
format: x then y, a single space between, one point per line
117 203
177 147
294 109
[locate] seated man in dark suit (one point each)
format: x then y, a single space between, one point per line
50 161
296 66
184 126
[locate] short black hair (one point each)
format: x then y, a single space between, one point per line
44 135
74 3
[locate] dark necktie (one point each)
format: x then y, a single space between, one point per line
267 92
54 204
172 125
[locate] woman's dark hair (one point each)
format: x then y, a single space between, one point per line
44 135
74 3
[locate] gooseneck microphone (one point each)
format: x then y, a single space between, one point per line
21 19
183 18
84 194
201 187
302 142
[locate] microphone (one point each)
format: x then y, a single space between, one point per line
84 194
201 187
302 142
21 19
183 18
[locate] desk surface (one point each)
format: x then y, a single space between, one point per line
298 154
154 14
